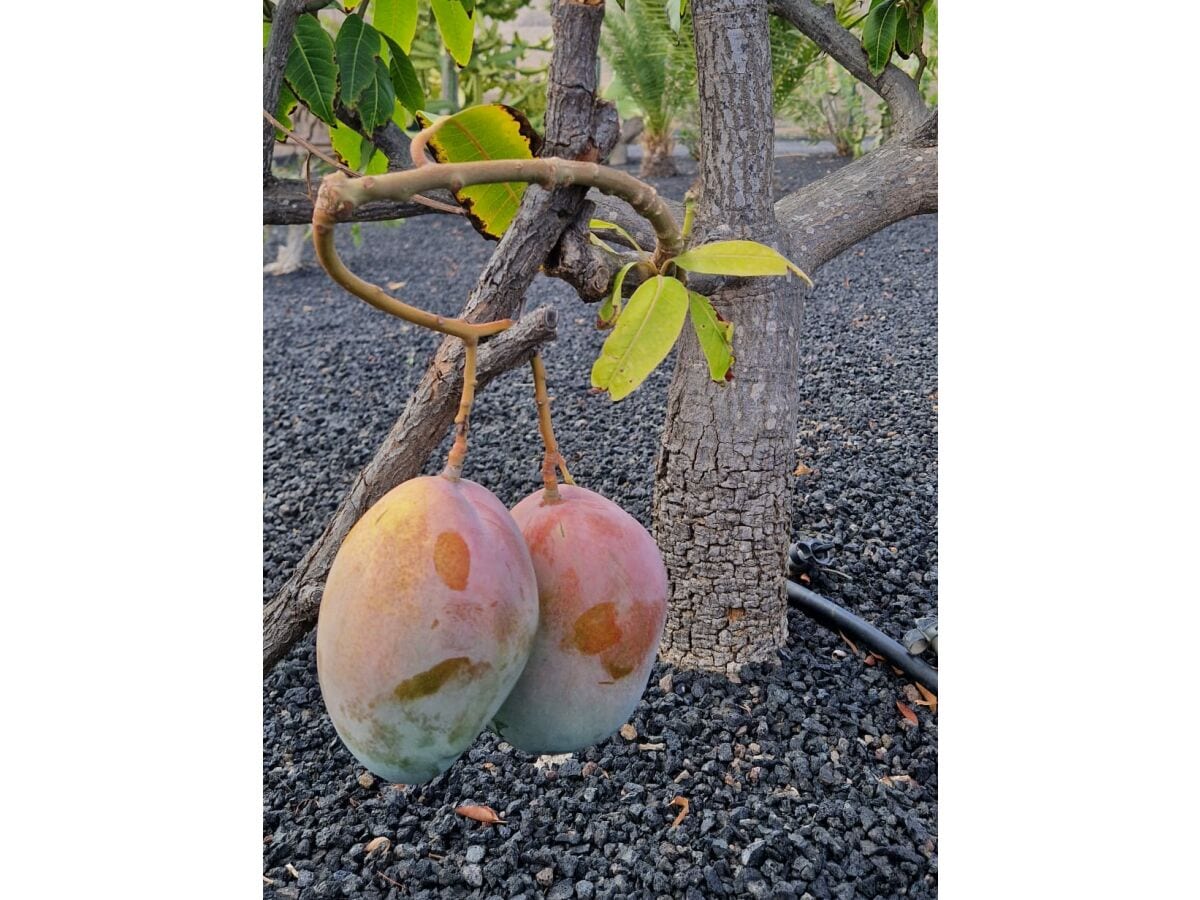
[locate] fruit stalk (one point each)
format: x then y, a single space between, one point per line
458 452
552 456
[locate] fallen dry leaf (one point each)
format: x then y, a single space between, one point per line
683 776
628 732
376 845
396 285
853 646
930 698
291 870
682 803
491 767
871 658
652 746
267 880
907 713
484 814
802 470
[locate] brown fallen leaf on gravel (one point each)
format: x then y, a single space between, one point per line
377 845
682 803
853 646
908 713
871 659
652 746
628 732
930 698
484 814
291 870
802 470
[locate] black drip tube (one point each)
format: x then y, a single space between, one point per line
829 613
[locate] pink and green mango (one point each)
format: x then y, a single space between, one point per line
427 620
602 590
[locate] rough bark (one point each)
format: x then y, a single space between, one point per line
722 499
577 126
290 614
819 23
898 180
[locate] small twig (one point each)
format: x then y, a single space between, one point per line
311 148
391 881
307 145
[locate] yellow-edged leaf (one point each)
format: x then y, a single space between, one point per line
644 335
491 131
737 258
714 334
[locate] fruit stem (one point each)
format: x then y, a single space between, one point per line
551 457
458 452
381 300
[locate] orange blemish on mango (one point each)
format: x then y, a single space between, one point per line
596 630
431 680
452 560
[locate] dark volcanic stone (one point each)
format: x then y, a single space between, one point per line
337 374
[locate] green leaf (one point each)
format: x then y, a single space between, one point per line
715 336
879 34
456 27
347 144
737 258
611 307
266 33
378 101
492 131
404 78
397 19
601 225
283 110
644 335
311 72
376 162
909 32
357 47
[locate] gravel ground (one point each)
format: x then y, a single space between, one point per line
804 779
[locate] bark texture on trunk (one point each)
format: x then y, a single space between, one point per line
577 127
722 502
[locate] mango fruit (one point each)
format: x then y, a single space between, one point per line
602 592
428 617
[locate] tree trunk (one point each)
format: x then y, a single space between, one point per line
722 502
656 156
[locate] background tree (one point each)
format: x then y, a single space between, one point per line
722 498
655 67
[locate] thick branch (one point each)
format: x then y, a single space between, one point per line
893 182
286 202
575 129
819 23
293 611
283 26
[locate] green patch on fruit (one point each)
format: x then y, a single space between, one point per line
432 680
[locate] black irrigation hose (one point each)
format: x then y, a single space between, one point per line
829 613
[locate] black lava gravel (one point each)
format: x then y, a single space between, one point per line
803 780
